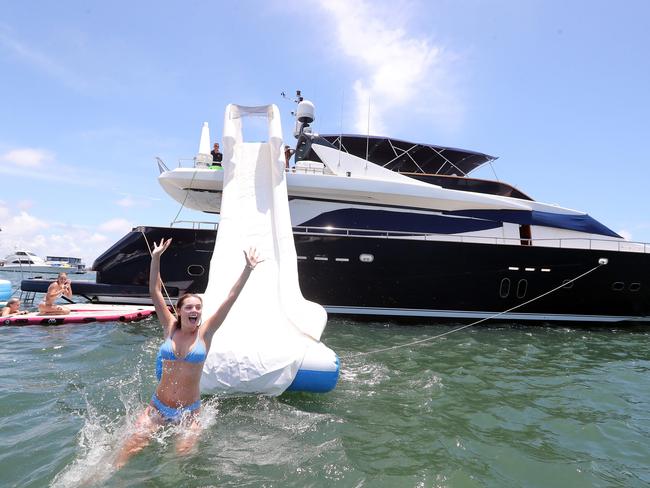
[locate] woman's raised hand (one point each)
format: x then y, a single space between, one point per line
252 258
160 248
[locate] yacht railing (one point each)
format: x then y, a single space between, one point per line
311 167
563 243
196 224
162 167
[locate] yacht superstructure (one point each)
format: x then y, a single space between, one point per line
387 227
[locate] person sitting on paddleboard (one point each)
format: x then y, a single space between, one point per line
180 358
57 289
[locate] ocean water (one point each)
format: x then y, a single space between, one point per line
489 406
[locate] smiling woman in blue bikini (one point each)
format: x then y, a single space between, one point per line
180 358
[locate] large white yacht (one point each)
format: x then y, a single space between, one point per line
386 227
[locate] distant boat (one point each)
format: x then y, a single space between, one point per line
73 262
28 262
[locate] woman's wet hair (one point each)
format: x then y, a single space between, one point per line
179 305
13 300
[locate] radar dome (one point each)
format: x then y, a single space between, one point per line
305 112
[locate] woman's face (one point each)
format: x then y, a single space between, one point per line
190 311
14 306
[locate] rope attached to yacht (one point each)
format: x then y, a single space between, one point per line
171 302
187 193
601 262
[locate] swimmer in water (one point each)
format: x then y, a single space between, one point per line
180 359
12 308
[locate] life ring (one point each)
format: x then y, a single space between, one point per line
7 322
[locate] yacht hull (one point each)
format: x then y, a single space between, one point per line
408 277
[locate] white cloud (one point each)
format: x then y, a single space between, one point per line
25 204
126 202
24 223
625 234
400 71
22 230
116 225
29 158
41 61
24 163
4 212
98 238
129 201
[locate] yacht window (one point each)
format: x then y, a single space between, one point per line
567 284
522 288
366 258
525 235
635 287
195 270
618 286
504 289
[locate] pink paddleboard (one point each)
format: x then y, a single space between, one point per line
83 313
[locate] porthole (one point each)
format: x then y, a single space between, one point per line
504 289
195 270
522 288
618 286
634 287
567 284
366 258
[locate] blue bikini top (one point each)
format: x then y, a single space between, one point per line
196 354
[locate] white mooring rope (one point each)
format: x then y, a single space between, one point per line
601 262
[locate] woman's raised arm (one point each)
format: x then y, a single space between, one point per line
165 317
213 322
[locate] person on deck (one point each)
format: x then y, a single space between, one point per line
13 308
179 364
217 157
57 289
288 152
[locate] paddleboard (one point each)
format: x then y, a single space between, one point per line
83 313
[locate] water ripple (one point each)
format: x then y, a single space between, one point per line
490 406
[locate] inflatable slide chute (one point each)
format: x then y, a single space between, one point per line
270 340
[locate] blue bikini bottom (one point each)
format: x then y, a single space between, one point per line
171 414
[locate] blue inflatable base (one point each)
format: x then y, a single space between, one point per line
5 290
315 381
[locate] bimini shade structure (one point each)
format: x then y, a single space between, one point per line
404 156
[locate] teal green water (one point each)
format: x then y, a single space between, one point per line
488 406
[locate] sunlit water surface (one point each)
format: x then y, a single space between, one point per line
487 406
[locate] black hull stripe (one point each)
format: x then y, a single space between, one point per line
463 314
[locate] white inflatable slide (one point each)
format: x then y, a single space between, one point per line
270 341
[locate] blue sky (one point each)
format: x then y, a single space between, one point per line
92 92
